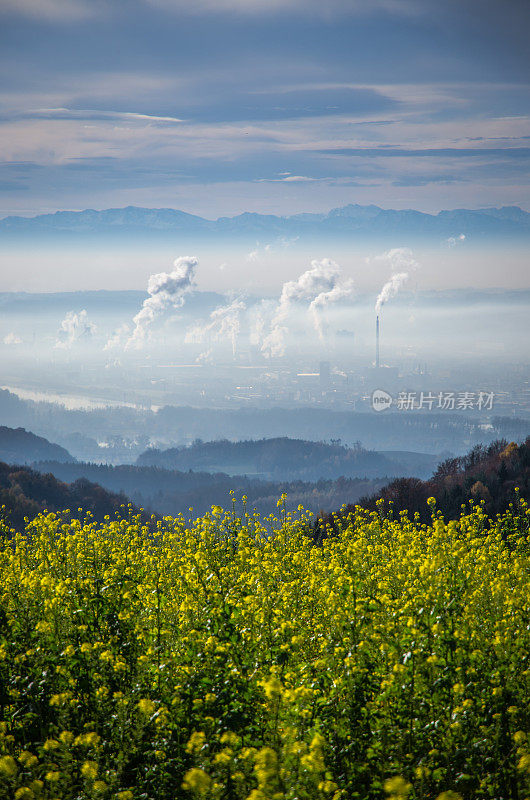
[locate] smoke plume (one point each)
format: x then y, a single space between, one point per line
12 339
224 324
204 358
119 337
74 327
319 286
260 315
401 263
166 291
325 299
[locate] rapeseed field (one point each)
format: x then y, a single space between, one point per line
231 657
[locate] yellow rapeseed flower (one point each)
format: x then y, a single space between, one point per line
397 787
89 769
197 780
8 767
146 706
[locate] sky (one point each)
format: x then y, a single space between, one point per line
277 106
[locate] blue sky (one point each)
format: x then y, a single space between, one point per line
278 106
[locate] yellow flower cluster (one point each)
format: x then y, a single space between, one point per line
232 657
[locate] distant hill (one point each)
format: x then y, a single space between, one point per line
283 458
25 493
19 446
487 473
350 220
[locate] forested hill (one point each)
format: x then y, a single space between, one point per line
171 492
19 446
491 474
283 458
25 493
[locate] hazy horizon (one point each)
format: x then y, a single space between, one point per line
120 248
232 267
287 109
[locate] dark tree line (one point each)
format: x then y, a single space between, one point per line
25 493
488 473
173 491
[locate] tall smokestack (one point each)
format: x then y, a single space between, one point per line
377 342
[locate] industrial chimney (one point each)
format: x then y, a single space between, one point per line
377 342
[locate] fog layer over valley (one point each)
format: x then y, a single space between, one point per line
120 435
316 348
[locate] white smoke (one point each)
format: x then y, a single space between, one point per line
273 344
320 286
454 240
224 324
12 339
75 327
259 315
402 263
119 337
325 299
390 289
166 291
204 358
225 321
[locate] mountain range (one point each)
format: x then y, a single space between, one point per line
352 220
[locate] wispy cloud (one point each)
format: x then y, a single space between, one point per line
269 7
265 109
51 10
425 180
291 179
65 11
92 114
430 152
